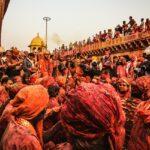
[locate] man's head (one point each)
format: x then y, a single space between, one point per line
143 85
26 53
123 60
15 52
61 67
123 85
142 19
78 54
17 79
133 58
47 55
130 18
53 90
8 53
115 59
94 63
82 117
107 52
30 104
31 56
6 82
124 22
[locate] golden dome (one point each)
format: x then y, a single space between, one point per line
37 41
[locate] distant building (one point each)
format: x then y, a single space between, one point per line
37 44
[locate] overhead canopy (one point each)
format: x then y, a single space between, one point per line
6 5
3 8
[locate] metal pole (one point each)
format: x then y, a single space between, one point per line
46 19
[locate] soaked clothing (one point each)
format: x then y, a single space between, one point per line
3 95
22 135
63 146
140 134
13 70
129 107
46 67
27 105
82 117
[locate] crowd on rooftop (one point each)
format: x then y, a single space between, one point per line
126 28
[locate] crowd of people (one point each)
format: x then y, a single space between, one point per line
74 103
124 29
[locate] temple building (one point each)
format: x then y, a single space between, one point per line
37 44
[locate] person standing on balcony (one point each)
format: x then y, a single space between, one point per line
100 35
125 28
89 41
141 26
131 24
109 34
103 36
147 25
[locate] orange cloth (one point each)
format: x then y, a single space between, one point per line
15 88
61 80
143 83
125 80
15 51
82 117
34 77
27 105
140 137
30 101
3 95
46 81
46 67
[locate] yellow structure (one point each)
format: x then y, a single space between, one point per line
37 44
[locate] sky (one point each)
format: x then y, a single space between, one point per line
71 20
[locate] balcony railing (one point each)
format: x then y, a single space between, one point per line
108 43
